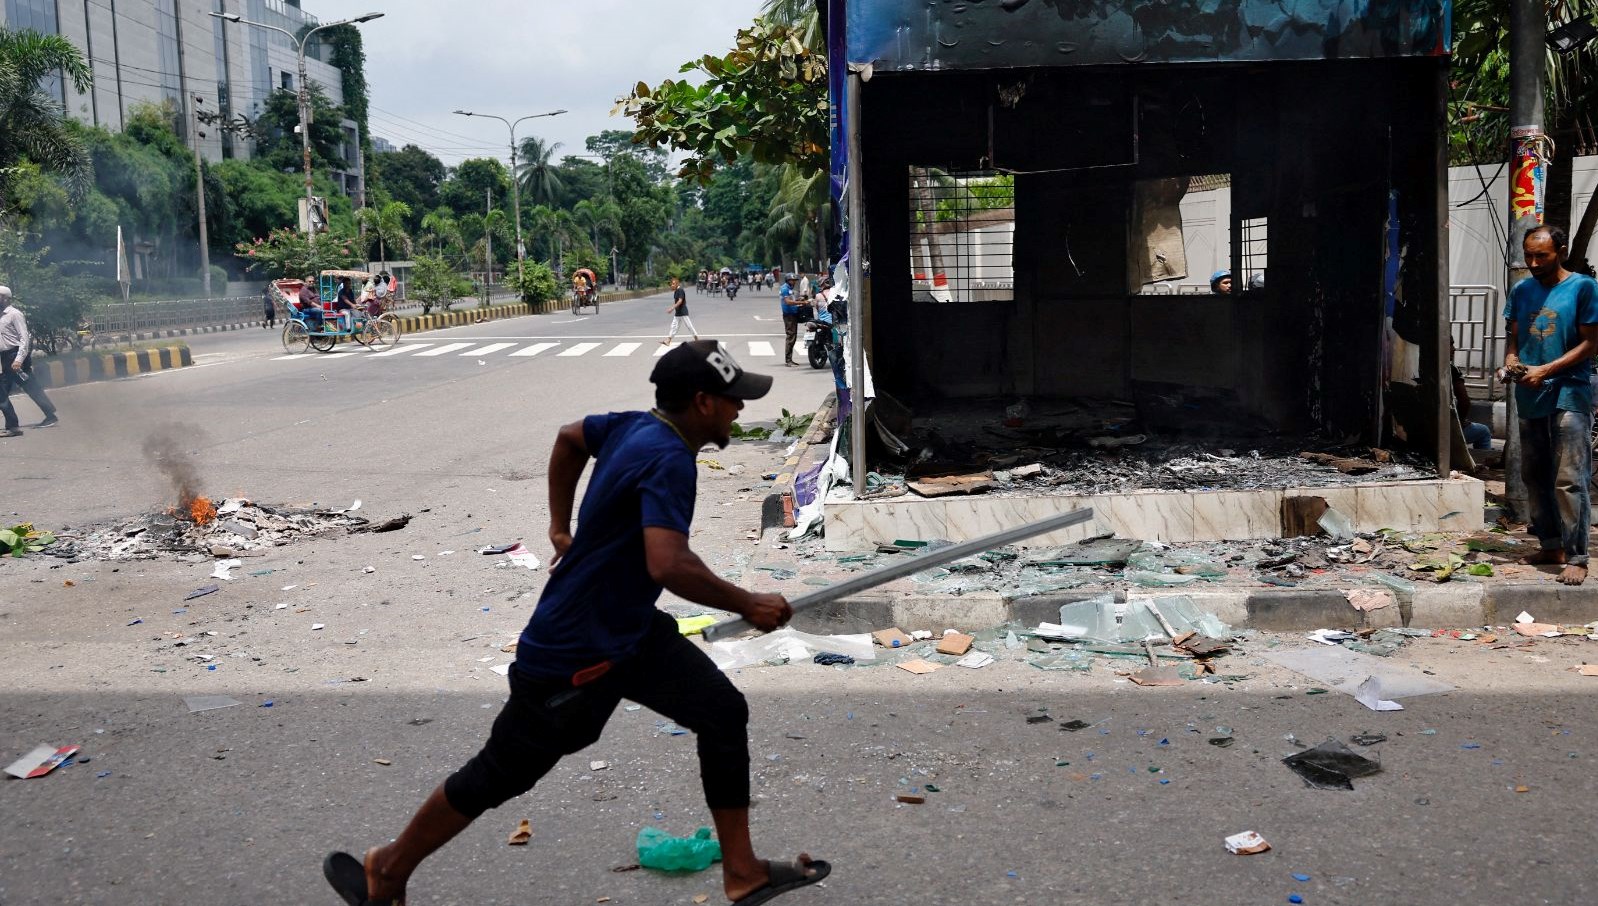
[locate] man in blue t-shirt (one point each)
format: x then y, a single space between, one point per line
1551 336
596 636
789 300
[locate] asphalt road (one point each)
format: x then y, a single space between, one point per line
445 416
237 806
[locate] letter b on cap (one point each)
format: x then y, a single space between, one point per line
721 360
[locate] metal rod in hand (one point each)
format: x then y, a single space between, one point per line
925 560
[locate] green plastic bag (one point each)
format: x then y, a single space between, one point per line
663 852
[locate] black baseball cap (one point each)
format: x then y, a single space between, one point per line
707 365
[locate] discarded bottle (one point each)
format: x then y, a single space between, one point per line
663 852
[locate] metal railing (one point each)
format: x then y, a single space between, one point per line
1477 325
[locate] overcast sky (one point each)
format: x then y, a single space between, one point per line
515 57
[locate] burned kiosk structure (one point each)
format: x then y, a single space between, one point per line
1039 192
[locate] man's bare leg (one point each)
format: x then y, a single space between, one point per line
388 868
1574 574
741 872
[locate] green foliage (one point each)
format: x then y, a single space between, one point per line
385 230
410 175
536 283
22 539
536 171
766 99
739 432
287 252
54 303
644 210
1479 99
434 282
464 191
32 124
281 148
794 425
349 57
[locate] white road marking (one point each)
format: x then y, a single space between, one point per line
401 349
624 349
292 357
579 349
534 349
490 348
760 348
445 349
665 349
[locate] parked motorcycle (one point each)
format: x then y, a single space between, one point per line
823 331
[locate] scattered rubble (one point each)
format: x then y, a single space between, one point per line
249 527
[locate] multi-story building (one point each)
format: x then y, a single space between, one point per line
173 51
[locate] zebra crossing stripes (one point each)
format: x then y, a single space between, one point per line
757 349
446 349
534 349
400 349
489 349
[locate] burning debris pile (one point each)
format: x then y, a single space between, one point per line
195 525
236 527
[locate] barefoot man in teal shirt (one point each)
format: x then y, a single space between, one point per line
1552 332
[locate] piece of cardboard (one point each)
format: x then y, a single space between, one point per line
1587 670
892 638
1247 843
919 666
41 761
955 643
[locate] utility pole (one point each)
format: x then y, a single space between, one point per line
1528 144
488 242
199 194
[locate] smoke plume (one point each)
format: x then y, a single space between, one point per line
164 450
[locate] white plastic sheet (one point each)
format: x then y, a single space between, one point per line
791 644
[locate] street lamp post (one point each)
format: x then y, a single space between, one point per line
304 93
515 193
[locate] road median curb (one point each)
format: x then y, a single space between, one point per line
84 368
1452 605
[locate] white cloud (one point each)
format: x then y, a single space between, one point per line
426 59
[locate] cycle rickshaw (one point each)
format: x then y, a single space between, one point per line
378 330
585 296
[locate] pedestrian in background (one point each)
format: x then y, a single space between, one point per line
1551 334
679 313
16 360
790 319
269 309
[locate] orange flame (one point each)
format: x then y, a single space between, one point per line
201 510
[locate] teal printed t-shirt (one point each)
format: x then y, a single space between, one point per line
1547 321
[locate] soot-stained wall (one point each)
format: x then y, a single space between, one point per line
1313 147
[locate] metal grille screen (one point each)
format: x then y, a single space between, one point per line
962 235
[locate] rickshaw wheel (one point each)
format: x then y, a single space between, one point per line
382 332
295 337
323 342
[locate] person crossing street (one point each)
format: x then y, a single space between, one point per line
596 636
679 313
16 363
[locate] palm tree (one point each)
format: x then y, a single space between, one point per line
801 212
803 15
536 173
388 223
439 228
32 124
